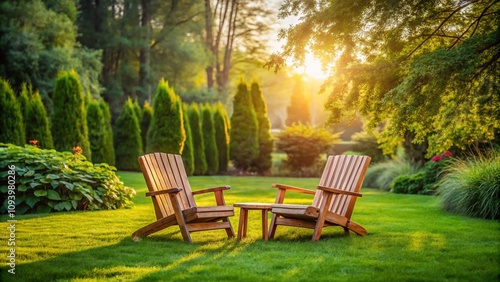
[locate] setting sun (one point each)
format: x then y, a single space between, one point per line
312 68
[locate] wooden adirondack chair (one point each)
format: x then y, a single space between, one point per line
333 201
173 199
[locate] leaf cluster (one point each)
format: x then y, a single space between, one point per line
47 180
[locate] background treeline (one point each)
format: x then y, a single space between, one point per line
199 132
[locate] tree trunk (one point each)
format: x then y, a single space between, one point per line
144 93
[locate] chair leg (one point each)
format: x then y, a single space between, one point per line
346 231
272 226
229 231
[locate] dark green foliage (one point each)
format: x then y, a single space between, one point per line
11 117
244 146
147 115
221 127
97 131
137 110
23 99
109 147
200 161
37 122
38 39
187 153
127 139
264 161
47 180
68 119
208 131
472 186
304 144
409 184
298 110
166 133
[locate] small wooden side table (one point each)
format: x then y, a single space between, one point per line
244 208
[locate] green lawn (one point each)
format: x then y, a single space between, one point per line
410 239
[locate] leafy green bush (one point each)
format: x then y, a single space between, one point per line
47 180
409 184
147 115
472 186
109 147
303 145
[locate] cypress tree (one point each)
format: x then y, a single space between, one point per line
109 147
200 161
264 161
221 136
97 131
11 117
69 120
187 153
147 115
24 99
298 110
207 127
37 122
166 132
137 110
127 138
244 146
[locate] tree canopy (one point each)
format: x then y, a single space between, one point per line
427 70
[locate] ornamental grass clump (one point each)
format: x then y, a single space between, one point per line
47 180
472 186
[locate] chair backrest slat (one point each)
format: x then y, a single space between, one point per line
344 173
164 171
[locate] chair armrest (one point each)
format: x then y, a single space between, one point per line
221 188
167 191
218 193
294 189
338 191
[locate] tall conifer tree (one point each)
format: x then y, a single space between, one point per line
109 147
187 153
244 146
97 131
69 119
263 162
147 115
127 138
209 140
200 161
221 126
37 122
166 132
11 117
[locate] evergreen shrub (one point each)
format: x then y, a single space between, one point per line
244 146
211 154
200 161
11 117
68 120
127 139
